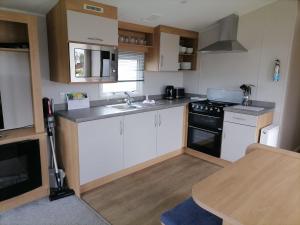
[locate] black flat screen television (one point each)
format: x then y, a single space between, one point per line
1 115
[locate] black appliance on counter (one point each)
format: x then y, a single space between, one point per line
169 92
172 92
179 92
205 126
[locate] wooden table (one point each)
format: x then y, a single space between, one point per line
263 188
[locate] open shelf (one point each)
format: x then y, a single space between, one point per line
134 47
138 33
189 57
15 49
19 134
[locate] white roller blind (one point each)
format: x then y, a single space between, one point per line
131 66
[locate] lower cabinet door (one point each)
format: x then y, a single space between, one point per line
100 148
170 130
139 138
236 139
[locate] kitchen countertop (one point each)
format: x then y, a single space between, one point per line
101 112
268 107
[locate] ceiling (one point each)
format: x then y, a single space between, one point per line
188 14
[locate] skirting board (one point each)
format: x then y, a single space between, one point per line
107 179
211 159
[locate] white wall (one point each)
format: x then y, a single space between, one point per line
153 84
268 34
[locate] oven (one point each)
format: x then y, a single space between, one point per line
205 133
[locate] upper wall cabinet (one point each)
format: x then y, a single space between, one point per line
169 51
91 29
78 21
173 50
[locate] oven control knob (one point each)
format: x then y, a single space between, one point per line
206 108
211 109
218 110
201 107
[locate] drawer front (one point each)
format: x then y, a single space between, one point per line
93 29
244 119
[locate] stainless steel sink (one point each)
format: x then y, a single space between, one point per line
250 108
125 106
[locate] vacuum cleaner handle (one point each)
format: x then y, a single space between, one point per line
48 108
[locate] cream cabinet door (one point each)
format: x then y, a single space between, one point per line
236 139
139 138
100 148
169 52
170 130
89 28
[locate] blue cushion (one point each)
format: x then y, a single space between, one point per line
189 213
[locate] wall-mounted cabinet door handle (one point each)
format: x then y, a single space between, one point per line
95 39
155 120
121 127
159 120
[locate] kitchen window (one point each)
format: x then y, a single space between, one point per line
130 73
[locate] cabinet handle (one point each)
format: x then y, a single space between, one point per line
161 61
95 39
209 131
159 120
155 120
238 118
121 128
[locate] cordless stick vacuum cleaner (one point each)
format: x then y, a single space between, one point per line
59 191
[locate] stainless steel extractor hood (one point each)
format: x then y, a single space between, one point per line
227 39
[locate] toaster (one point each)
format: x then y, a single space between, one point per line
179 92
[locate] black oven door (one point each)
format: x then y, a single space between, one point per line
205 141
206 121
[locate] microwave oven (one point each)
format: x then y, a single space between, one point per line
93 63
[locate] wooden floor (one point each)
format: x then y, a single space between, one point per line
140 198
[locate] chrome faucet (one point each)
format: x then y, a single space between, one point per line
129 99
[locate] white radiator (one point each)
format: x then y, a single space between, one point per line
269 135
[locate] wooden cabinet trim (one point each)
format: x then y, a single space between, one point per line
58 43
180 32
67 147
263 121
135 27
77 5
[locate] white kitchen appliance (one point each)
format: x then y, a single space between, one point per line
269 135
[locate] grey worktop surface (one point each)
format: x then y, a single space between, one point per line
101 112
268 107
